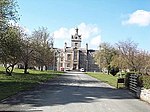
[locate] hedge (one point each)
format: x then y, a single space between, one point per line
146 81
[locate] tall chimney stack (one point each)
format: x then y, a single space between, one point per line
65 44
86 46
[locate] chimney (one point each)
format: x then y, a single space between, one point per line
86 46
65 44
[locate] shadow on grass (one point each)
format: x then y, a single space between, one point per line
2 72
10 85
11 88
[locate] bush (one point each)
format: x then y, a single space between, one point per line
146 81
114 70
121 75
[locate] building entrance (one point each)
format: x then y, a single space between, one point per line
74 66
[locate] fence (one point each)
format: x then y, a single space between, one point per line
133 83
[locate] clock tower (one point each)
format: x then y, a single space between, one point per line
76 40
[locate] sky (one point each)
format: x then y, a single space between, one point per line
98 20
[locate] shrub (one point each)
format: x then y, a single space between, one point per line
140 81
146 81
114 70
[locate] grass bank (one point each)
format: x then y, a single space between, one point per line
111 80
19 81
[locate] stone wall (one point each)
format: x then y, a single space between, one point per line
145 95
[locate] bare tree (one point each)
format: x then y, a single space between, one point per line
143 61
105 55
130 53
27 52
43 44
119 62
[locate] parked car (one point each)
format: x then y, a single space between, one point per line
61 68
82 69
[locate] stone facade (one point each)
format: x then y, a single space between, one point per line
75 57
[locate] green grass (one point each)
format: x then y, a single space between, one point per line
10 85
111 80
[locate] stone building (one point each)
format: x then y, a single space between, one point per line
75 57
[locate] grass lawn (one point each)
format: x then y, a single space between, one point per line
111 80
10 85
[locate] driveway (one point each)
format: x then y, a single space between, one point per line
74 92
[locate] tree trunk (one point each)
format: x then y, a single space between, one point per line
5 65
10 69
108 72
41 68
146 71
108 69
26 68
46 67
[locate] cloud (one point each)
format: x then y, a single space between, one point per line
86 30
96 40
89 33
61 33
139 17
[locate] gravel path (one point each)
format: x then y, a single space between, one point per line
74 92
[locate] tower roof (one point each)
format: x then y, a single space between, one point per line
76 39
76 36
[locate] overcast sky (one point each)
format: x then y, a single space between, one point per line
98 20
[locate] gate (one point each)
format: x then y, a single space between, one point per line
133 83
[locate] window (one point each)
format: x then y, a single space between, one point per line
75 55
68 65
62 59
76 44
61 64
69 57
